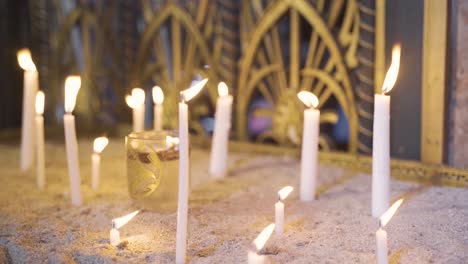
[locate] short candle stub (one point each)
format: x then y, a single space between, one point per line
182 97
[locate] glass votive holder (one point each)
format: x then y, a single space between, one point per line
152 169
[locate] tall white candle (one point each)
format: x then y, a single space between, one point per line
40 161
182 209
310 140
137 102
99 144
72 86
30 87
222 125
279 208
158 100
381 140
252 255
381 235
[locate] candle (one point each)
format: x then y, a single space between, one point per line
72 86
30 87
158 99
99 144
252 256
222 125
310 139
114 234
40 162
182 208
137 102
279 208
381 140
381 235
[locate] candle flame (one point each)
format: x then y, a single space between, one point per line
385 218
392 73
158 95
40 100
308 98
25 60
191 92
172 141
284 192
121 221
99 144
263 237
136 99
223 89
72 87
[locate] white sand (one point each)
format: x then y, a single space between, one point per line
224 217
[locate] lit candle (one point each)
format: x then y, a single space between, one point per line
252 256
30 87
381 234
158 99
279 208
182 209
137 102
310 140
222 125
99 144
114 234
381 140
72 86
40 162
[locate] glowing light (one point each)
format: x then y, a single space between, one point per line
385 218
284 192
99 144
40 100
392 73
223 89
172 141
72 87
25 60
136 99
158 95
263 237
121 221
191 92
308 98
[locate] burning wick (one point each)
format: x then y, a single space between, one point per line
279 208
118 223
253 257
381 234
99 144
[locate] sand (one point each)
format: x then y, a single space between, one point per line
224 216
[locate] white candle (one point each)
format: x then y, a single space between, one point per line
99 144
158 99
279 208
30 87
182 209
310 140
137 102
381 140
222 125
114 234
40 161
381 235
258 244
72 86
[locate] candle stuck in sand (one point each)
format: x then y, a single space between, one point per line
252 256
381 234
158 100
136 101
99 144
114 235
279 208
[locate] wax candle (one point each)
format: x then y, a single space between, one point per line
310 139
114 234
182 208
279 208
136 101
222 125
381 140
381 234
98 146
72 86
30 87
252 255
158 99
40 161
